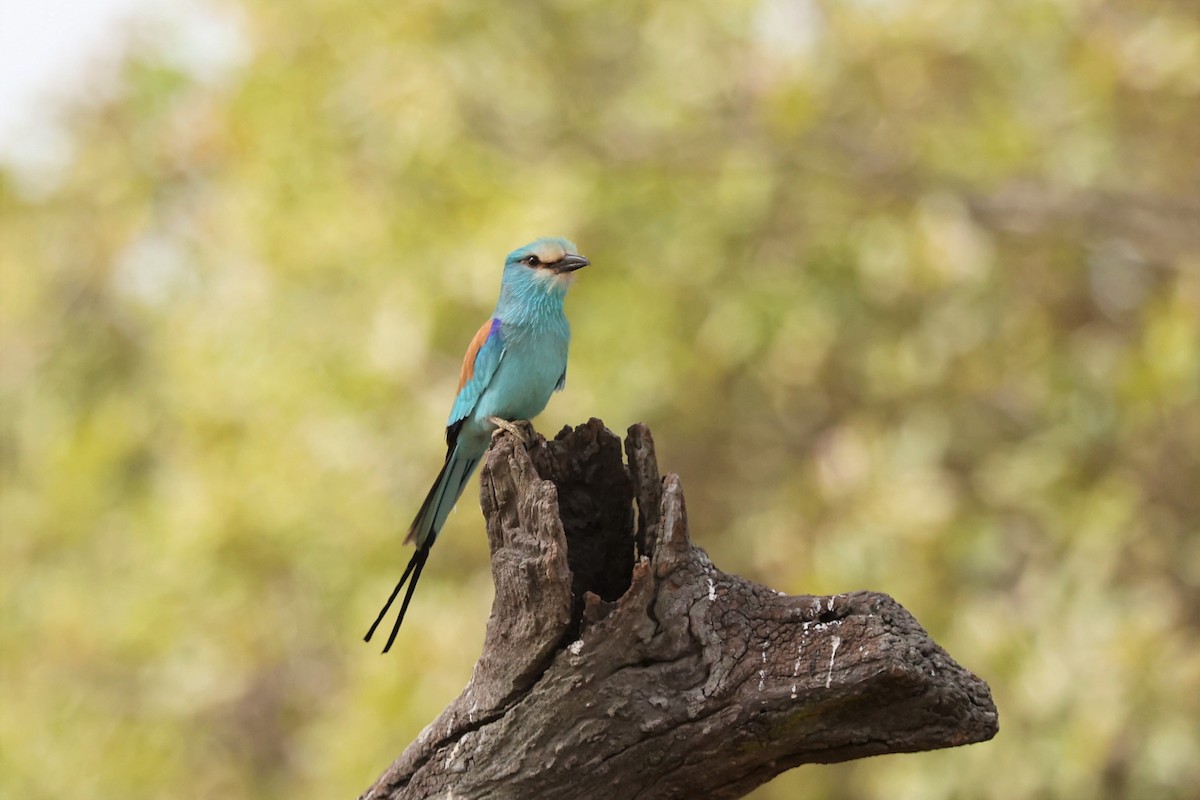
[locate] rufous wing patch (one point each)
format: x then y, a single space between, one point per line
481 336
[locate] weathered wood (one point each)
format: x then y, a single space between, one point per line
619 662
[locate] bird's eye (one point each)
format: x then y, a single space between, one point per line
532 261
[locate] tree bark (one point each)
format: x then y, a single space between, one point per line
620 663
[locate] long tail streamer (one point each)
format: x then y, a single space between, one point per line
438 502
415 565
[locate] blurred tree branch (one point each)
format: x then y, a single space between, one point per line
660 677
1161 226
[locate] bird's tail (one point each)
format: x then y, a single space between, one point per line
415 565
441 498
424 530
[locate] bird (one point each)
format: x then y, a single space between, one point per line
515 361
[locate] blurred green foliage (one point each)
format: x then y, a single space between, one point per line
908 290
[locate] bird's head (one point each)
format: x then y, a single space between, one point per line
549 263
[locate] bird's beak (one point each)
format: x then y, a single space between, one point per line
570 264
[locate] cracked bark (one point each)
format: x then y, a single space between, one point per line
620 663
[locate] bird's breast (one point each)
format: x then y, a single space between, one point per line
532 365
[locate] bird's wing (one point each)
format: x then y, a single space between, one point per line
562 381
479 365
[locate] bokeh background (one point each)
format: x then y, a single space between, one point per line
908 291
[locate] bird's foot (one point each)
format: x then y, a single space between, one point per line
511 427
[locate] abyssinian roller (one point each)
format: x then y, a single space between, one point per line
512 366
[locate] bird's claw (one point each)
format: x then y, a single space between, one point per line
511 427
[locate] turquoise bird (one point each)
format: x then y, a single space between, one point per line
512 366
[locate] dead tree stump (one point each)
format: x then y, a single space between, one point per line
619 662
